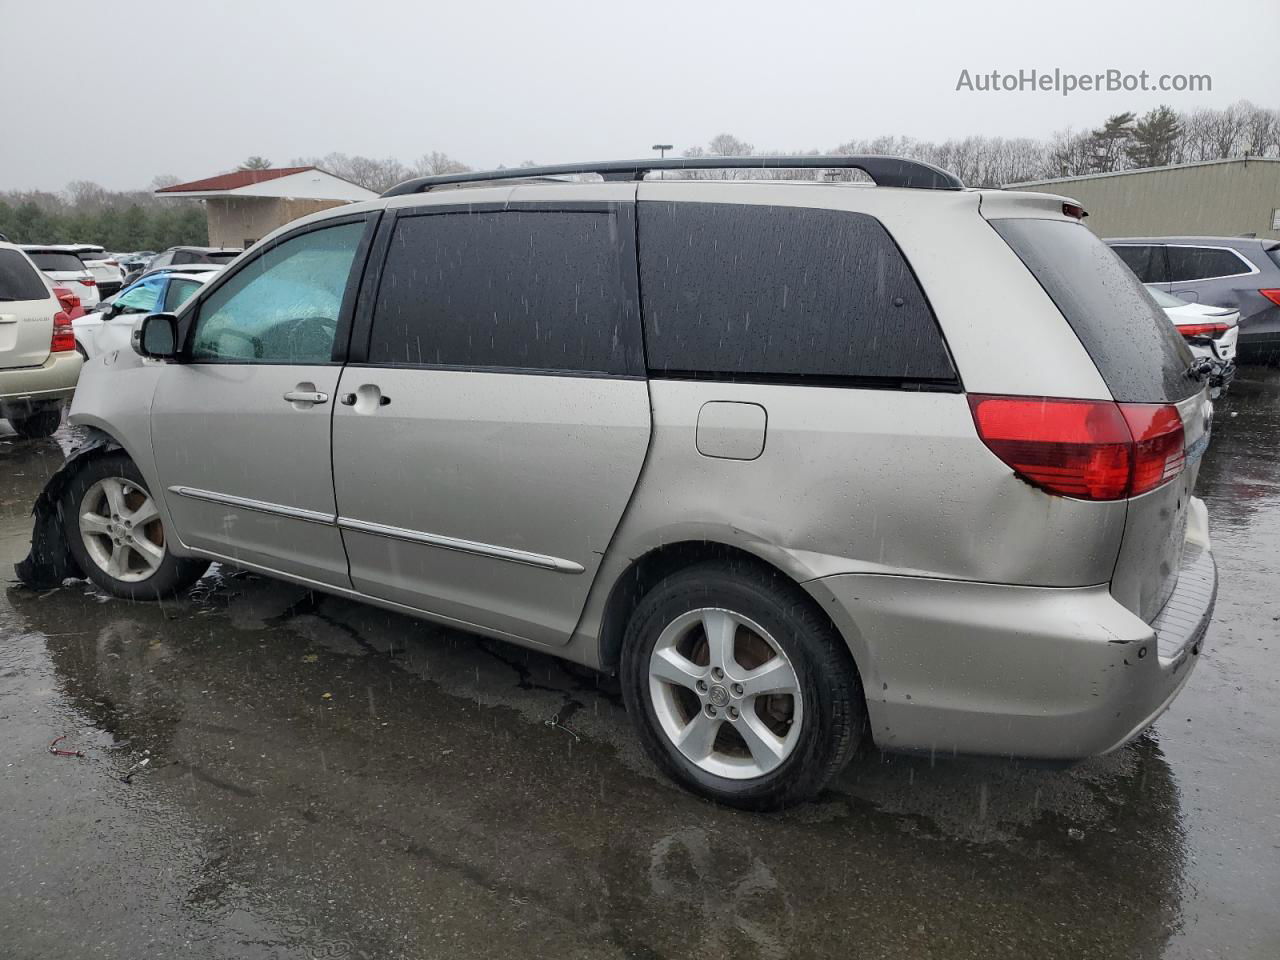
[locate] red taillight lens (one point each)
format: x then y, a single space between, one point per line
1159 450
1272 295
1082 448
64 334
112 263
65 297
1203 329
89 282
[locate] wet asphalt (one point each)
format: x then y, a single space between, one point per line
327 780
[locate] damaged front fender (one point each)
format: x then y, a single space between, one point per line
50 560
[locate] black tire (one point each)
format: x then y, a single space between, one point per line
38 425
173 575
834 717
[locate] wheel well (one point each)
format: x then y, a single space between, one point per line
661 562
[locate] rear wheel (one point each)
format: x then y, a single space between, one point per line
739 688
43 423
113 528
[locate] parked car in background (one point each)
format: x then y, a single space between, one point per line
1241 273
1210 332
187 256
109 326
64 267
105 268
533 411
39 364
209 268
134 263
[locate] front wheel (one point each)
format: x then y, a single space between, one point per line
739 688
113 528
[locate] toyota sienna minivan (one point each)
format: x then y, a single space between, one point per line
810 465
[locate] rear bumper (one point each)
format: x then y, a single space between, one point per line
25 388
958 667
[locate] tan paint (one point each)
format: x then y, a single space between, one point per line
1225 199
235 221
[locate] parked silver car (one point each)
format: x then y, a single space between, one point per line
811 465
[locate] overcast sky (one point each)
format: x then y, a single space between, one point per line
120 92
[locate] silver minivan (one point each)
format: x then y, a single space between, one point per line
812 466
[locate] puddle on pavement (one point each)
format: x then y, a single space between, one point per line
328 779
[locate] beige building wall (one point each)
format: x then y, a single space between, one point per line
241 221
1230 198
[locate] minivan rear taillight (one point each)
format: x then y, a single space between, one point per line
1272 295
1087 449
89 282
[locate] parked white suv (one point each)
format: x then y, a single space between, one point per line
105 268
811 465
38 359
63 266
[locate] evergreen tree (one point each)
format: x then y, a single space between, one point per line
1107 145
1154 138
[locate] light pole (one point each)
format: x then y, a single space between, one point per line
662 149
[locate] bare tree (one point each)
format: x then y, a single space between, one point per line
256 163
436 164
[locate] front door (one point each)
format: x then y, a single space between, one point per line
486 448
240 428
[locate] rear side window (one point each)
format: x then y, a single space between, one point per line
17 280
1204 263
787 293
57 261
1134 346
1147 262
539 290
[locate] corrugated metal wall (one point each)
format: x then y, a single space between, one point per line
1218 199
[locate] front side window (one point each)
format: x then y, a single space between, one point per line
768 292
1146 261
179 292
519 290
282 307
1204 263
140 298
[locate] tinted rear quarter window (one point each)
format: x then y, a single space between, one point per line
534 290
17 280
1204 263
1133 344
764 292
1147 262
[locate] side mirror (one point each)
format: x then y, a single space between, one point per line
156 337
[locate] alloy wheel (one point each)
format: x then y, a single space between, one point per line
725 694
121 529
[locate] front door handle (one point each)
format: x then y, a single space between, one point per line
311 396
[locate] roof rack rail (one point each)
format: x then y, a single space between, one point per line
884 171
